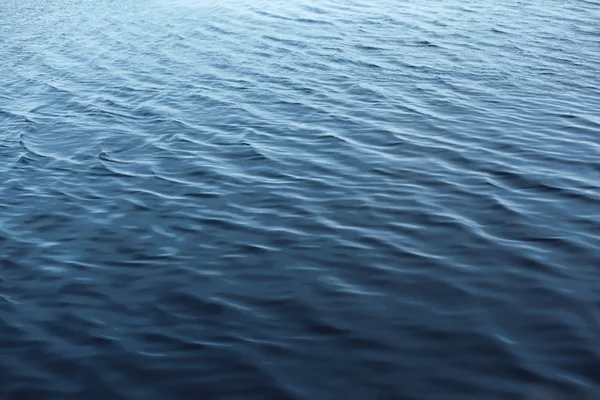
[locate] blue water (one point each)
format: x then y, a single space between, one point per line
299 199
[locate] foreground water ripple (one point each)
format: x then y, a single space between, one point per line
277 199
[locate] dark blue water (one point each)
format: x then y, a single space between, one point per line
299 199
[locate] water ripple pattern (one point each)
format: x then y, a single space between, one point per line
392 199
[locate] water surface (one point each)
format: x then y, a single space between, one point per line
298 199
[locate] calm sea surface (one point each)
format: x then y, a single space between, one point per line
303 199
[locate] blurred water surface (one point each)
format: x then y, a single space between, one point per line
298 199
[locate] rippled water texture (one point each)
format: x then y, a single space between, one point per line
299 199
